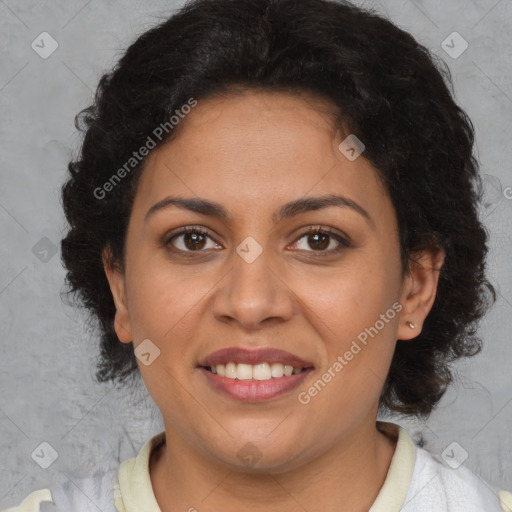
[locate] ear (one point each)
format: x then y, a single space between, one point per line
117 284
419 290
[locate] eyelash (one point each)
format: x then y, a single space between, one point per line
344 243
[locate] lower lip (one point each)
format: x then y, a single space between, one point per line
255 390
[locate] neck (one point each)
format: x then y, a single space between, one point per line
353 471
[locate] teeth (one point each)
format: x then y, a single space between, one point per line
261 371
277 370
244 372
231 371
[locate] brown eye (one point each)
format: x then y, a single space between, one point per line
194 241
190 240
318 240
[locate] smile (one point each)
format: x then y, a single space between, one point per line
254 375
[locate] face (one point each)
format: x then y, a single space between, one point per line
324 285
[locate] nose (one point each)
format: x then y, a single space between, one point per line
253 293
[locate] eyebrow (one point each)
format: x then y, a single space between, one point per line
290 209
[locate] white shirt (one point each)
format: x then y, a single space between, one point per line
416 482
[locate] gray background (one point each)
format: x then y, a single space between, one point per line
47 353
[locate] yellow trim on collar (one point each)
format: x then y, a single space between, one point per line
394 491
135 492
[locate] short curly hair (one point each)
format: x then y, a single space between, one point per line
392 93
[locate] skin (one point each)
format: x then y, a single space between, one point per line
252 152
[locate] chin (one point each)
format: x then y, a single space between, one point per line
260 454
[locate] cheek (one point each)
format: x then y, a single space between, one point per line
162 301
349 298
355 311
164 306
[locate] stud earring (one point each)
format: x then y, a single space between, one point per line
411 325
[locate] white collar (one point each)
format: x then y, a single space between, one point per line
134 491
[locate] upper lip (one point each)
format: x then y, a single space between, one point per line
255 356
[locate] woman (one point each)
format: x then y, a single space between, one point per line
274 219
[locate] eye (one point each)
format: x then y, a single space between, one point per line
195 239
191 239
320 239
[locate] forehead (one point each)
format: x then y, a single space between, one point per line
252 149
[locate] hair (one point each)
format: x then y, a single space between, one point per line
384 87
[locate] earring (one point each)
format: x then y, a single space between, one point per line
411 325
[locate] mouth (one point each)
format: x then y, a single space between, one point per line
254 375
